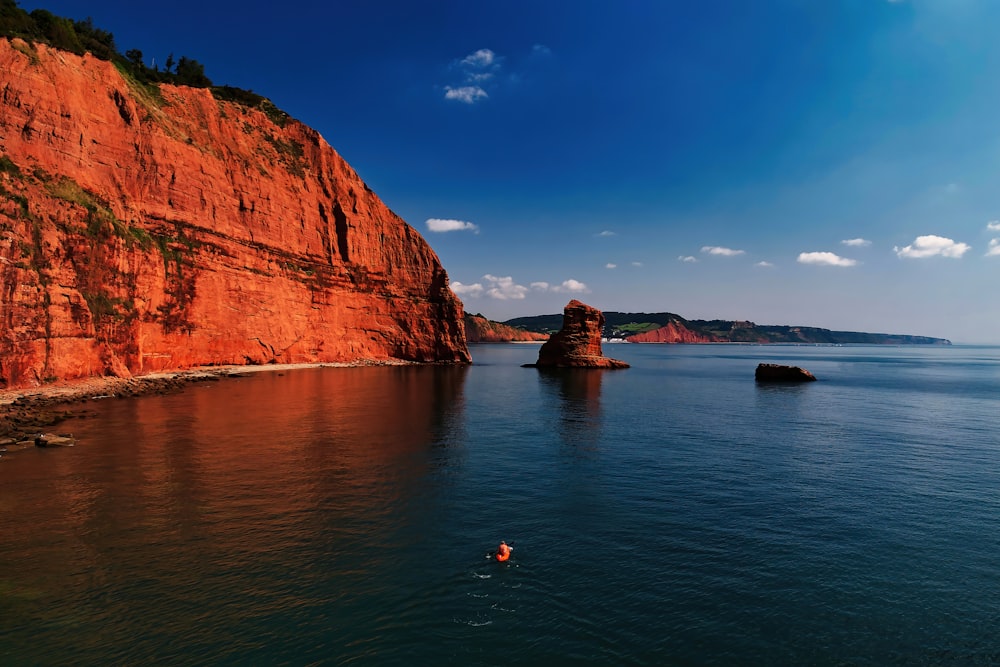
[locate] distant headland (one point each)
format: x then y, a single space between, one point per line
671 328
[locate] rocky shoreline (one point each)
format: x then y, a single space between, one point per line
26 412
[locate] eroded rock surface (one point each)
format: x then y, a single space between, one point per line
145 230
578 343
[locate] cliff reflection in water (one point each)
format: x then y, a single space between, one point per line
261 473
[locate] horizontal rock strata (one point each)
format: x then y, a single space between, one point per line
146 229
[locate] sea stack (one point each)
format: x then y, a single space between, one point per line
578 343
779 373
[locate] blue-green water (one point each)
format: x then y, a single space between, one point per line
672 513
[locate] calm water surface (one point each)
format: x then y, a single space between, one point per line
672 513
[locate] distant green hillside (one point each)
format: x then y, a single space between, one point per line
748 332
625 325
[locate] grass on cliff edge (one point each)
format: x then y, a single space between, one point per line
100 219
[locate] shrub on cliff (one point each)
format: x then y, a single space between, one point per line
248 98
7 166
42 25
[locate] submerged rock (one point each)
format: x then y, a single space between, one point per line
50 440
779 373
578 343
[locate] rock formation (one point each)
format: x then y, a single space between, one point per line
146 229
478 329
578 343
779 373
672 332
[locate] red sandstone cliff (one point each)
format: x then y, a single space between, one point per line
478 329
143 231
673 332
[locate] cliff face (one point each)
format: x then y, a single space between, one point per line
673 332
143 231
478 329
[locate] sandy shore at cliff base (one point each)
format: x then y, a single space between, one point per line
30 410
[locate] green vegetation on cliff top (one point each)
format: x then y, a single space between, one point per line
625 323
80 37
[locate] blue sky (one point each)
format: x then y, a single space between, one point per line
826 163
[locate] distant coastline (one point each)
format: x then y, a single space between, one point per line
672 328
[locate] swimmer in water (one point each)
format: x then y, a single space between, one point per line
503 551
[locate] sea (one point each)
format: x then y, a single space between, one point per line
674 513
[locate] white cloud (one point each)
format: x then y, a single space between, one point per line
476 69
609 265
607 232
484 73
473 290
857 243
480 58
687 258
504 288
765 265
637 264
465 94
717 250
994 249
824 259
571 285
930 246
993 225
442 225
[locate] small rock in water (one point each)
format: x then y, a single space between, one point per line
779 373
49 440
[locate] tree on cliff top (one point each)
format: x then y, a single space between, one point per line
191 73
41 25
80 37
14 21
